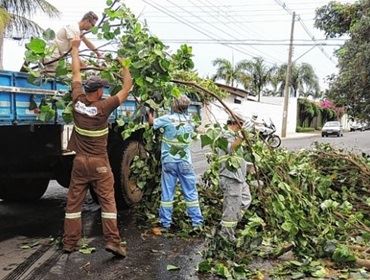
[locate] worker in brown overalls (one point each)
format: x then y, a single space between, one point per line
91 165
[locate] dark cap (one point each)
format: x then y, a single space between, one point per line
94 83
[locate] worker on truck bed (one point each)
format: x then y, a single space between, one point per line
91 165
62 41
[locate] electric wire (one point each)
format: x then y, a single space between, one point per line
166 11
238 32
221 30
289 11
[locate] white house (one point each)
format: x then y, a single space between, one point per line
241 101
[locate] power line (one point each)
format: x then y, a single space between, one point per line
257 40
166 11
248 43
284 6
238 32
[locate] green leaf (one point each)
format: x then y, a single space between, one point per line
319 273
60 105
172 267
87 250
175 92
48 34
94 30
222 270
222 143
47 113
149 79
37 45
342 254
204 266
152 104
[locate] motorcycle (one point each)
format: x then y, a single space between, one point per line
266 131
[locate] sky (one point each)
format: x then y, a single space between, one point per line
233 29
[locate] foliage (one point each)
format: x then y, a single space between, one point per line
311 202
15 16
303 81
259 75
305 129
314 203
182 58
152 69
350 87
229 73
307 111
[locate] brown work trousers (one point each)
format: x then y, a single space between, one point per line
94 171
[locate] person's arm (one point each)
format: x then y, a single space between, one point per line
76 74
126 84
91 46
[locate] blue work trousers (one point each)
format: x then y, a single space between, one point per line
182 171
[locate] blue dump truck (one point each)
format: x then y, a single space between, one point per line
34 152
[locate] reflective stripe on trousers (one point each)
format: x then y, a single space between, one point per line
109 215
75 215
171 173
229 224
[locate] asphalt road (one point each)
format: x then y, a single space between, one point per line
351 141
29 234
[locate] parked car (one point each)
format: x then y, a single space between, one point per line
357 126
332 128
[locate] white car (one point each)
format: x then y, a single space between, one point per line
332 128
356 126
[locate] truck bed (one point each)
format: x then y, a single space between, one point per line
17 93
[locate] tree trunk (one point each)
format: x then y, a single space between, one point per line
1 50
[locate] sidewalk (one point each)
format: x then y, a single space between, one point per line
301 135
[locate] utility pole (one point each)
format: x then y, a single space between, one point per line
287 81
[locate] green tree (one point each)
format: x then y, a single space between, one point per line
303 80
351 86
260 74
14 17
228 72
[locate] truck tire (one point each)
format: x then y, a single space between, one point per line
23 189
126 189
63 169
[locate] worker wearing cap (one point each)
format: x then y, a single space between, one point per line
177 166
91 165
237 197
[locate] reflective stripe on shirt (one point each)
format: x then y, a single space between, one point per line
91 133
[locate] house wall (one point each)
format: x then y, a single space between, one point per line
269 107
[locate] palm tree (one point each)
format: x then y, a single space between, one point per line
14 16
260 74
303 80
228 72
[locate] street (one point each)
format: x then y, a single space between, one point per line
30 234
351 141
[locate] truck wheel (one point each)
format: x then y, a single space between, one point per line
63 169
127 191
15 189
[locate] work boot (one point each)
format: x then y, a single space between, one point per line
116 249
69 249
